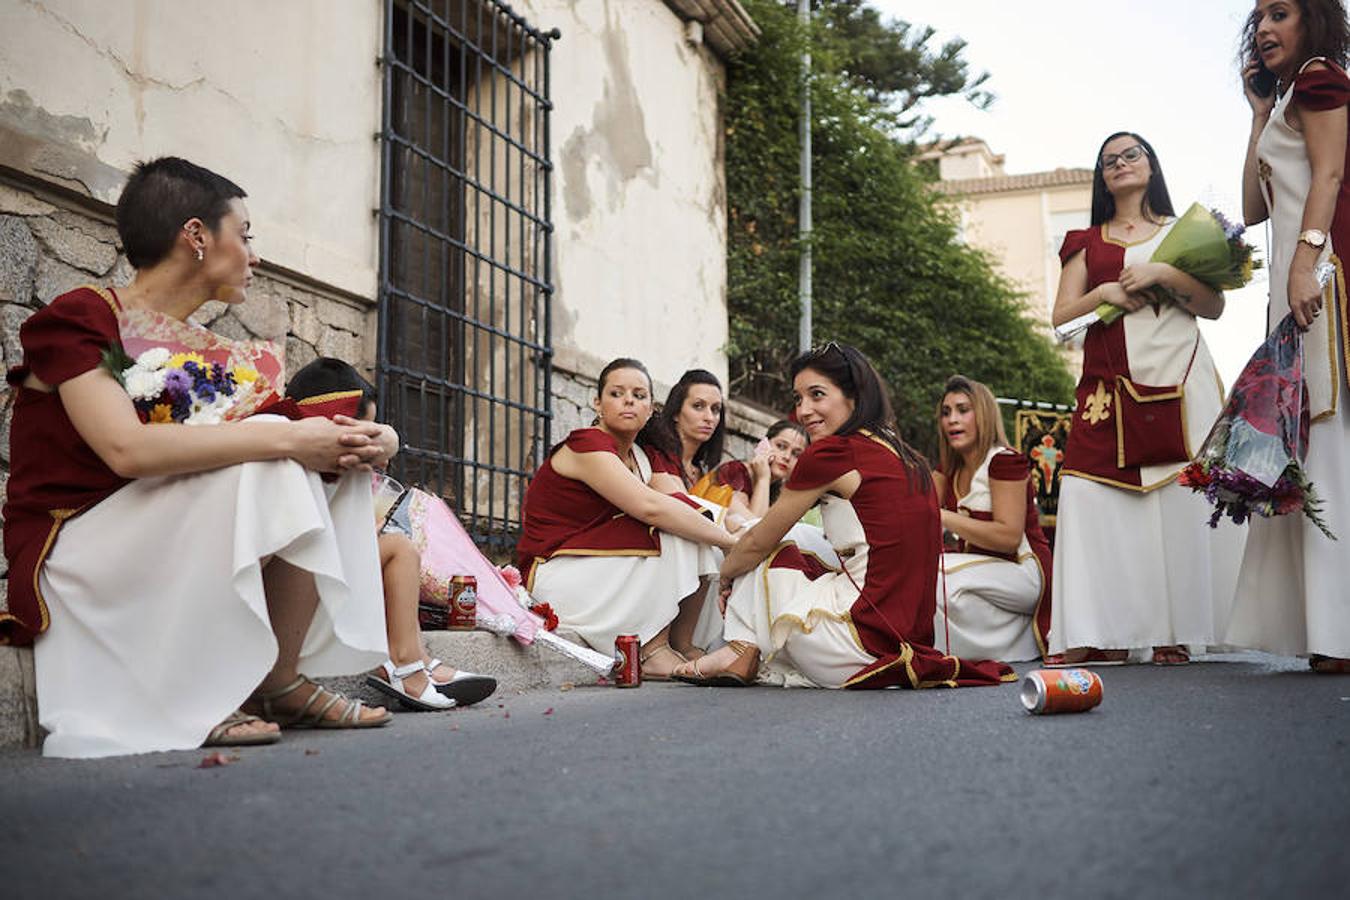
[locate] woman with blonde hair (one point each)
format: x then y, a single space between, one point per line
994 600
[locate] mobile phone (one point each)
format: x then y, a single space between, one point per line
1263 82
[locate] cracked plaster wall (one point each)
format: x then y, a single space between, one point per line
638 191
283 98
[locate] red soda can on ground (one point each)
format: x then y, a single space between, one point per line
463 603
1047 691
627 661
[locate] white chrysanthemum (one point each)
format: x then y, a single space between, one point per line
153 358
142 385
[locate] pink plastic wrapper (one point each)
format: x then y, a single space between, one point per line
447 551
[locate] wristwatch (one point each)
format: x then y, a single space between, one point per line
1314 238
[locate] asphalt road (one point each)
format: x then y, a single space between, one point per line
1228 778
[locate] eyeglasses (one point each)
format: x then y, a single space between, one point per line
1129 155
822 349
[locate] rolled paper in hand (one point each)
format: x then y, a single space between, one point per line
1074 327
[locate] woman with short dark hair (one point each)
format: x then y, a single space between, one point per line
869 623
171 573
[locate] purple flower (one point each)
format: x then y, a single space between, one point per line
177 384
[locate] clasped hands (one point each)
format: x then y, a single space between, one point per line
1137 286
343 444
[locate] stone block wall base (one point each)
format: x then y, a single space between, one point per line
18 698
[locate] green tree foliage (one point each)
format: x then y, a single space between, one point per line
890 275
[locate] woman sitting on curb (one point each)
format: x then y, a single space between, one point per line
180 569
410 675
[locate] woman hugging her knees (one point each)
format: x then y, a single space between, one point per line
869 623
994 600
609 553
171 574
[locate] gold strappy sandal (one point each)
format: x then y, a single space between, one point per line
313 713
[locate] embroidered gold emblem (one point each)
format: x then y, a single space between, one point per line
1263 170
1095 407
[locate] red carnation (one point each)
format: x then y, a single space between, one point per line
545 612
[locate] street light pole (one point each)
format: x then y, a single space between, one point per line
804 208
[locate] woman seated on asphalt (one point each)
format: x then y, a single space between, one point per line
994 600
610 554
172 573
869 623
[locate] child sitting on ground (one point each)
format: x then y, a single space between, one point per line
410 675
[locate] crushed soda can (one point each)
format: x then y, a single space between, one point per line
1047 691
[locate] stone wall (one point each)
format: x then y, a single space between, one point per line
50 244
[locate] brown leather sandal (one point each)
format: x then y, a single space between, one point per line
220 736
642 661
313 713
741 673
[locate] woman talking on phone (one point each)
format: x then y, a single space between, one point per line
1291 596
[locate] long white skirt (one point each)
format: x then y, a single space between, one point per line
1293 595
990 603
810 539
1134 570
802 627
602 597
159 627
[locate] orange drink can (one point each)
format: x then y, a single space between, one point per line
1047 691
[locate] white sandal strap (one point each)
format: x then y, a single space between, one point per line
402 672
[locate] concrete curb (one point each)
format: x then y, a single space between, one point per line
517 668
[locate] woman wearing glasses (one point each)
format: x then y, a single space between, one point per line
1292 596
1135 565
868 623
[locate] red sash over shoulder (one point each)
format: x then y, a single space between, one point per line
1091 451
54 474
1323 89
566 517
893 615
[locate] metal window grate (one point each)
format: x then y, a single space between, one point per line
464 360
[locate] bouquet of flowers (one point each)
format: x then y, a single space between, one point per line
178 372
1251 462
1203 244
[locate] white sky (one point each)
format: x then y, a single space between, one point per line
1069 72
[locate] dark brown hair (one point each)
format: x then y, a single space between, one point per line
160 197
850 371
660 431
1325 33
1157 201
